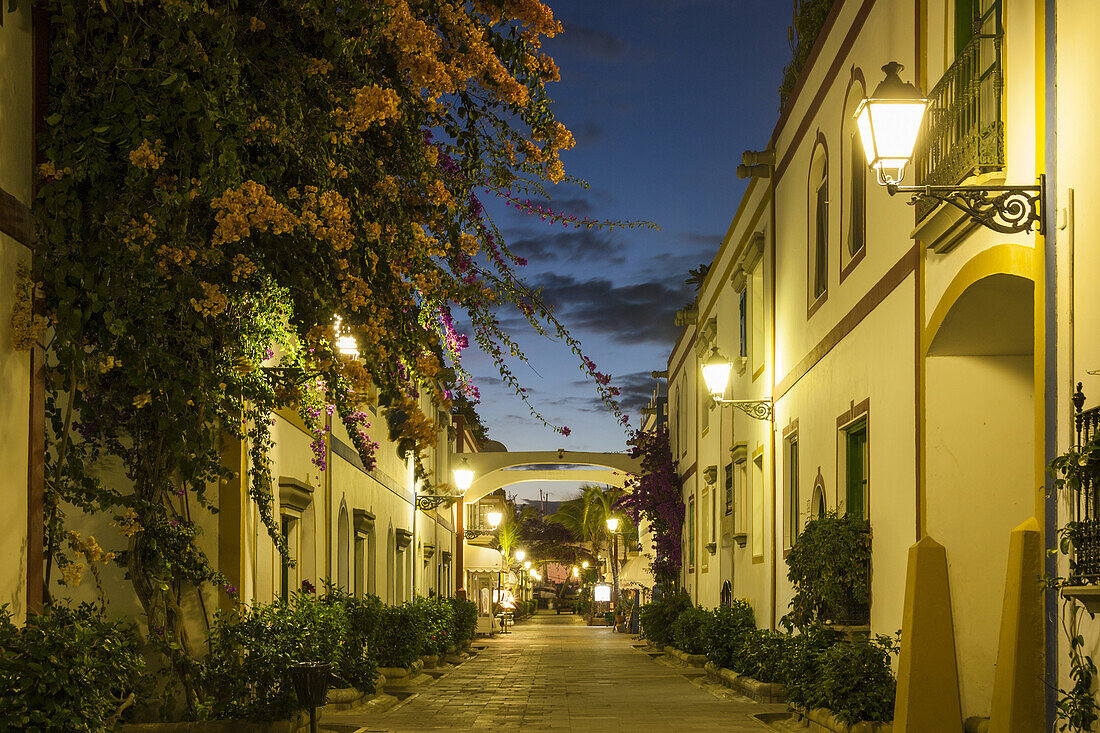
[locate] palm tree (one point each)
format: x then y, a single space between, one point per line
586 517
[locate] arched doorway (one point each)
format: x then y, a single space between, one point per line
979 454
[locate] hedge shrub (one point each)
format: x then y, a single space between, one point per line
657 617
802 664
400 637
855 682
247 672
762 655
690 630
726 632
66 669
465 620
358 666
437 619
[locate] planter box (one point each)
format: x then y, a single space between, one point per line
688 660
297 723
822 720
430 660
770 692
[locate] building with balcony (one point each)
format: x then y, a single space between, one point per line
919 364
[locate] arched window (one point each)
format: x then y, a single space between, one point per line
343 541
818 507
818 224
854 185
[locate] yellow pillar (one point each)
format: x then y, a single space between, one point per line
1018 705
928 677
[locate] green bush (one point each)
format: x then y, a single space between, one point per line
726 631
830 568
465 620
855 682
67 669
689 630
437 618
400 637
358 666
802 663
657 617
247 672
762 655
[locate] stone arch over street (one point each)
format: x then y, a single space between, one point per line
495 470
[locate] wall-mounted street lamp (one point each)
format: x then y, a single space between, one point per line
889 123
716 374
464 476
519 555
526 564
494 518
612 524
585 565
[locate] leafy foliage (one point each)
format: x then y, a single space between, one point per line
438 620
400 638
220 181
465 620
830 568
726 631
801 663
689 630
357 666
655 495
67 669
1077 709
657 617
247 672
855 682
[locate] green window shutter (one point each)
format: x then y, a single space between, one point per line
857 474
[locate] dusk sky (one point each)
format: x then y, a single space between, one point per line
662 96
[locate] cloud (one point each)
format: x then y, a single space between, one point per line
591 42
627 314
574 244
635 389
703 239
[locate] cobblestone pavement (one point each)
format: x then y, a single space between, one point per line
553 673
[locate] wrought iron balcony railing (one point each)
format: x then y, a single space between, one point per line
963 134
1086 502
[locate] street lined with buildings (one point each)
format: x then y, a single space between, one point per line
554 673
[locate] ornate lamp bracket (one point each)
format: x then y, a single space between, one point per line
475 533
1004 209
428 502
756 409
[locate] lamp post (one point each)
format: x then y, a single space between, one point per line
889 122
464 477
613 527
716 375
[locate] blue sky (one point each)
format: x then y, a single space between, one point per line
662 96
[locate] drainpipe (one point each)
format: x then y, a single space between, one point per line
1050 347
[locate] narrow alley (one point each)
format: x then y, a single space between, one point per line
553 673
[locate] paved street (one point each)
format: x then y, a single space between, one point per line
554 673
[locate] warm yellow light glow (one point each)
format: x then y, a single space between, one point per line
889 123
612 523
585 565
527 564
345 342
464 476
520 554
494 519
716 373
576 571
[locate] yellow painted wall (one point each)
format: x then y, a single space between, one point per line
15 178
